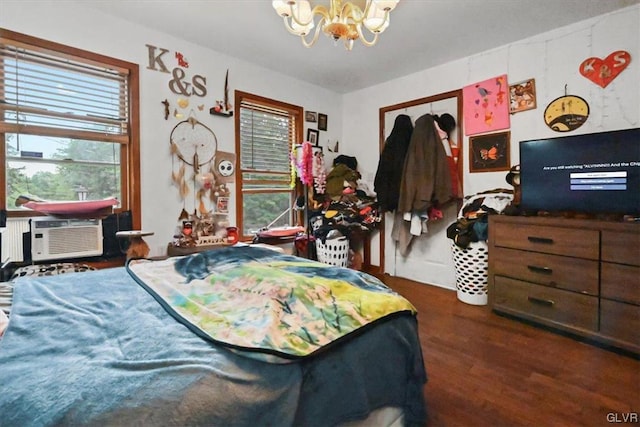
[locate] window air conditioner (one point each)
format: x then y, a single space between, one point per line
55 238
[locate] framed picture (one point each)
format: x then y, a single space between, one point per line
489 153
311 116
222 205
522 96
322 121
312 136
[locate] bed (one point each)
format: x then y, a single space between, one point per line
134 346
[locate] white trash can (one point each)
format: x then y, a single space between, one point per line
472 271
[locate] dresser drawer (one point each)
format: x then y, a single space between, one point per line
620 282
553 240
620 321
574 274
549 305
620 247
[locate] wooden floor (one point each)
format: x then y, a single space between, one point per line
489 370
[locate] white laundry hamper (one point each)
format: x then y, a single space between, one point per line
472 270
333 251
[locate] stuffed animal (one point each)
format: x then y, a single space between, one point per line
138 248
513 178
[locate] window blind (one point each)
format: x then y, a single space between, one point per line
266 137
41 89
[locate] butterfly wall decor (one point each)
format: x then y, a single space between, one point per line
489 152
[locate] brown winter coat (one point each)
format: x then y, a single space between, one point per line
426 180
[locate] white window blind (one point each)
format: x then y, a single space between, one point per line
68 124
266 137
40 89
267 130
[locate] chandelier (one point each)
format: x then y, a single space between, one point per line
341 20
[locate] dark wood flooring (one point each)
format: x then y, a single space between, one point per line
489 370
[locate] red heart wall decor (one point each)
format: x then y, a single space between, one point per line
602 72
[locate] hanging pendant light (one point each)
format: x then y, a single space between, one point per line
342 21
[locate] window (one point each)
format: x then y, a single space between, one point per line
68 124
265 133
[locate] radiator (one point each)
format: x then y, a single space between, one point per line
12 239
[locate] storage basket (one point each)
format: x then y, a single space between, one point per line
333 251
472 266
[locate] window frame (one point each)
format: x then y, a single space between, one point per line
129 144
294 111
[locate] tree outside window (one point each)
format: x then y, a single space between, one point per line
266 131
68 124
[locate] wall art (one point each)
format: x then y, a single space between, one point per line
312 136
522 96
311 116
489 153
486 106
566 113
223 107
222 205
180 82
603 71
322 121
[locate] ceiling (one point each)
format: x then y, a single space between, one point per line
422 34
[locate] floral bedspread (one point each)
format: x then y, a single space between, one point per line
262 301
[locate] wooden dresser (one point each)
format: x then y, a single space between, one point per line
579 276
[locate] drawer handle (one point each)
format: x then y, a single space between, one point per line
542 270
544 240
546 302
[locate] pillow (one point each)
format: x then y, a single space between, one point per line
6 296
4 322
50 269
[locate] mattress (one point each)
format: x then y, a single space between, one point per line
96 348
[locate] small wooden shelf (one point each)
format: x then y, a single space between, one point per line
220 113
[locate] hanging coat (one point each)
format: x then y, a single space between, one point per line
426 181
391 164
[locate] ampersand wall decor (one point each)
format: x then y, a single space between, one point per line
603 71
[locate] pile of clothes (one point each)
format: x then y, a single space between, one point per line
346 208
347 203
472 224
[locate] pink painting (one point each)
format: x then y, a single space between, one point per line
486 106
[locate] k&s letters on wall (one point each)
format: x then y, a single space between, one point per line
603 71
181 83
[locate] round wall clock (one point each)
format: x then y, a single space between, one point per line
566 113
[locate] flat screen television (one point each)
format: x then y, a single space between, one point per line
596 173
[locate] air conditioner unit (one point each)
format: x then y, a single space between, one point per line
55 238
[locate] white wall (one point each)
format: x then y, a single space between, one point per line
91 30
551 58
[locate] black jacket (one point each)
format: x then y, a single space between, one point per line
391 163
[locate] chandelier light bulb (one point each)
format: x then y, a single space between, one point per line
302 22
282 7
386 5
340 20
377 19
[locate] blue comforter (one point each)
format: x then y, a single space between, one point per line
96 349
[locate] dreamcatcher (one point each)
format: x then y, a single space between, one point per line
195 145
